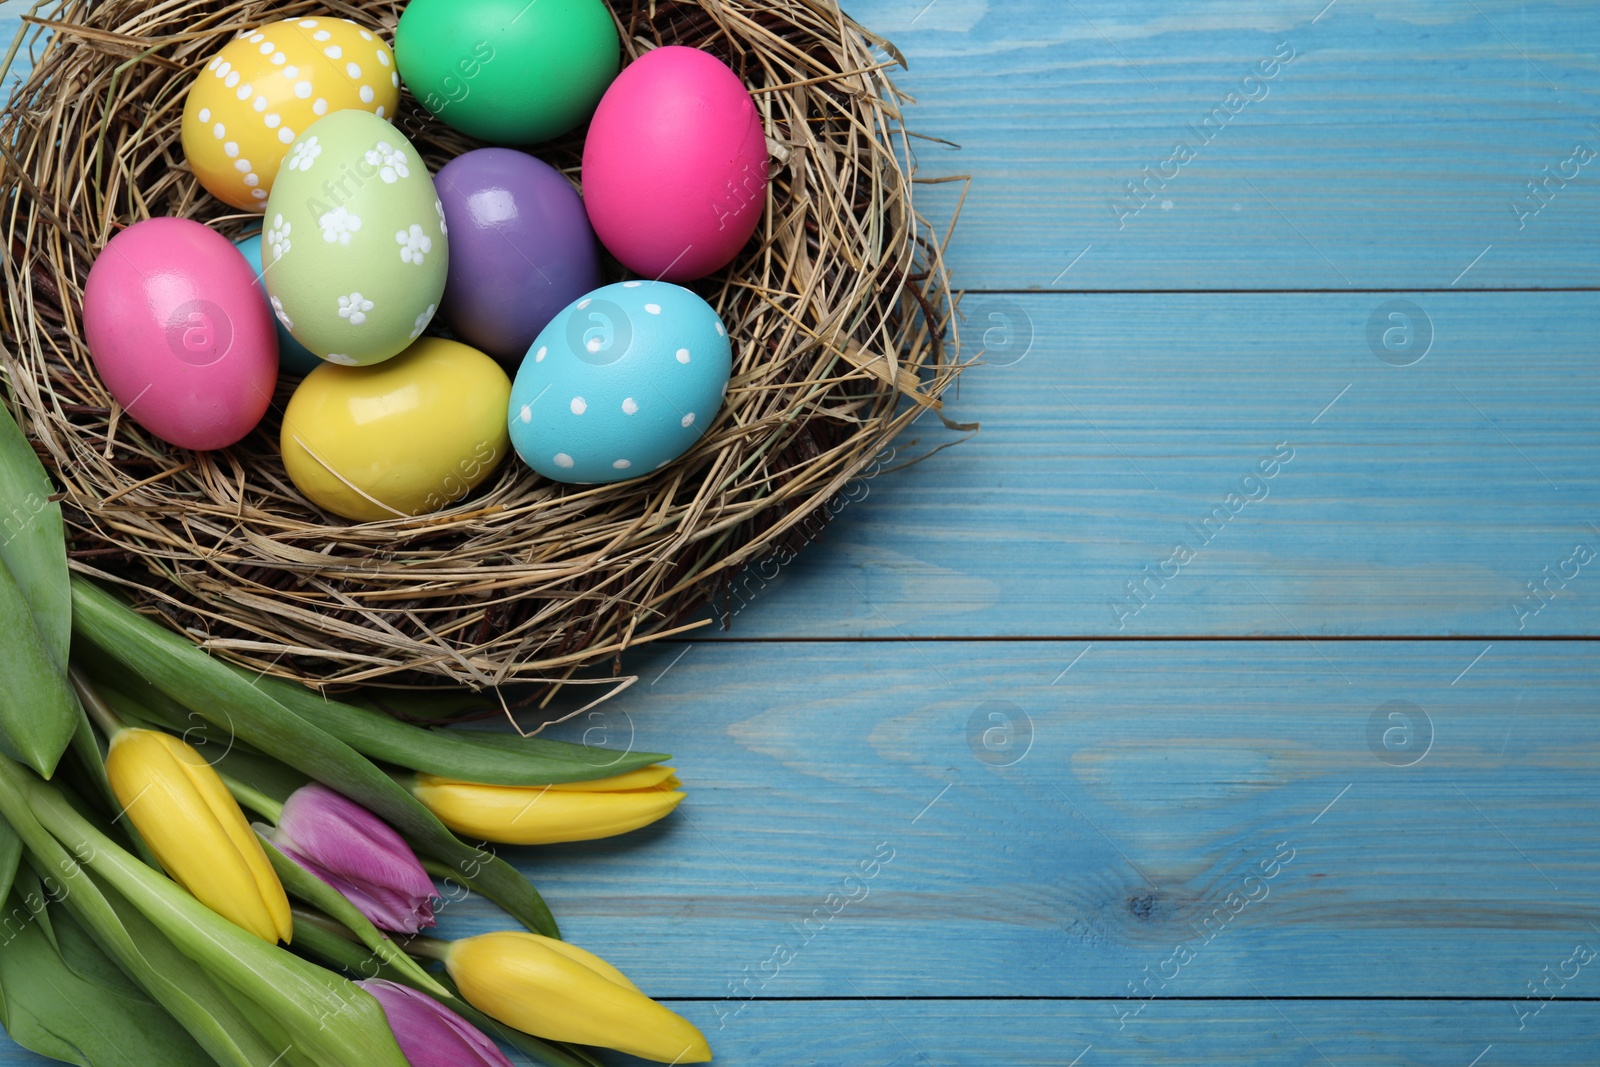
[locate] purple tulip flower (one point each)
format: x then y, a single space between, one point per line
430 1034
358 854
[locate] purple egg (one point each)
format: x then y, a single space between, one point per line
521 249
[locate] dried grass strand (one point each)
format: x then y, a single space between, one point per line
839 311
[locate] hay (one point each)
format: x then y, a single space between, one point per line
837 310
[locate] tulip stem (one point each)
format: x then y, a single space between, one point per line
254 799
431 947
325 923
108 721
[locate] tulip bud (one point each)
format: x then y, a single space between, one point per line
547 814
430 1034
559 992
195 828
358 854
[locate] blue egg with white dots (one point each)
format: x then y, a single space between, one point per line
623 381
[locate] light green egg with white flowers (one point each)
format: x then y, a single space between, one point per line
353 245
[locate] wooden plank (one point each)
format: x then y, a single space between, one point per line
1370 161
1160 776
1158 779
1012 1033
1387 153
1145 785
1420 499
1168 1034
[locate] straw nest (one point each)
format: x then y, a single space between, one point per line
838 310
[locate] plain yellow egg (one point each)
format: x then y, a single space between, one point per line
253 98
411 435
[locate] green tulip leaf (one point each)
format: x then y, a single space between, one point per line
198 999
92 757
170 977
228 698
297 1005
70 1002
33 540
10 857
83 955
469 755
310 938
139 703
38 712
31 891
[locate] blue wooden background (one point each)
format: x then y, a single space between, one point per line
1322 788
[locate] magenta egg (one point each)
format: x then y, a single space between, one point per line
520 249
179 333
675 165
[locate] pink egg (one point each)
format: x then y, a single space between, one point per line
675 165
180 334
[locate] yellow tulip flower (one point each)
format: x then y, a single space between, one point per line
559 992
547 814
191 822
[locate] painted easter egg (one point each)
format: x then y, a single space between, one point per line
294 359
508 71
179 334
262 90
675 165
412 435
621 383
520 248
354 244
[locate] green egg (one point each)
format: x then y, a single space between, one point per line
354 250
508 71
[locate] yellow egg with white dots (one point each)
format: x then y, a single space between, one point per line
251 100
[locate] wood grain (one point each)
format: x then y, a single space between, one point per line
1386 154
1073 845
1145 784
1168 1034
1420 499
